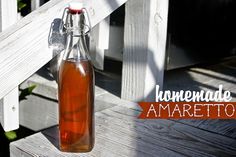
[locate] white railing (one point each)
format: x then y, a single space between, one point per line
9 104
24 47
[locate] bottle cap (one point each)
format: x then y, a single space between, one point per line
75 7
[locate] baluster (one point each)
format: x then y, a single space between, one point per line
100 42
9 104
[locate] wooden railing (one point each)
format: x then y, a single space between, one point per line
24 48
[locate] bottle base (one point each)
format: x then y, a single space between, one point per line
76 149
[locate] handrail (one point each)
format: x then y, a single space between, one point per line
24 47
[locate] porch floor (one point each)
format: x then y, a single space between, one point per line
120 133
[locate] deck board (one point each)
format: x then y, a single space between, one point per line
207 77
120 133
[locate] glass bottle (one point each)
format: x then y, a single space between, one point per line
76 86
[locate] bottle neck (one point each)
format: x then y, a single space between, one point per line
76 48
75 23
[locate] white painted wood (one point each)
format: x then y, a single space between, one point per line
37 113
35 4
9 111
104 29
24 47
8 13
99 42
99 10
116 43
9 104
144 48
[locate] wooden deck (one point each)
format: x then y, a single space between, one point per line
207 77
120 133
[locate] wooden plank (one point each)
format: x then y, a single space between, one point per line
9 107
207 77
45 146
120 133
224 127
8 13
99 42
144 48
99 10
116 43
24 46
176 130
53 132
39 112
9 110
35 4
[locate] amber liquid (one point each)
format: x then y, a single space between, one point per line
76 106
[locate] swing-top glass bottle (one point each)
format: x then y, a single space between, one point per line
76 85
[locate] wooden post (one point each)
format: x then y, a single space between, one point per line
144 48
9 105
99 42
9 110
35 4
8 13
24 47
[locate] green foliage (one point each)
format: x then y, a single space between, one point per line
25 92
20 5
11 135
